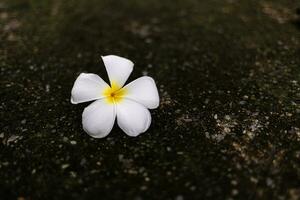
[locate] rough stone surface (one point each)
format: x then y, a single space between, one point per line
228 126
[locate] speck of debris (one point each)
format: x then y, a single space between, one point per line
64 166
179 197
73 142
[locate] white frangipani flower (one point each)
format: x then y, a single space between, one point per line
129 104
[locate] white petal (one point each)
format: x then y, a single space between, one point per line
118 69
144 91
133 118
98 118
87 87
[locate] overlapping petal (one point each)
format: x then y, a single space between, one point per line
132 117
87 87
99 118
118 69
144 91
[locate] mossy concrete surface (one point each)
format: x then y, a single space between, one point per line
228 125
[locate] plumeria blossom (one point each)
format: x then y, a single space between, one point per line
128 104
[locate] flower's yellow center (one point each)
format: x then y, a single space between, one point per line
114 93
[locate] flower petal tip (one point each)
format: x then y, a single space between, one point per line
72 101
